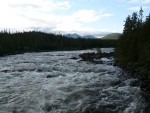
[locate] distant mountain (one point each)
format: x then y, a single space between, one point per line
75 35
113 36
88 36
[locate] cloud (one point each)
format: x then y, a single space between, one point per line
107 14
39 5
42 15
43 29
22 13
86 15
137 8
79 19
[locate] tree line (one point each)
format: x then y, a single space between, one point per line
33 41
133 48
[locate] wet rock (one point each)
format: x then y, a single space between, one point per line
5 71
97 62
74 58
60 55
14 111
51 76
98 55
116 82
108 108
107 54
100 109
23 69
147 110
91 109
87 56
16 70
145 86
135 83
92 57
49 107
39 70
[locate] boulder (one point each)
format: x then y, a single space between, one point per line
74 58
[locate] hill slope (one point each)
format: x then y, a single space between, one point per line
88 36
75 35
113 36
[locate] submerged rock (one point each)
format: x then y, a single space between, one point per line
51 76
115 82
135 83
47 107
74 58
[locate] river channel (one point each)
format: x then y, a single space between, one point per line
53 82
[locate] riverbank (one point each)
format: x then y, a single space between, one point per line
32 41
141 73
133 69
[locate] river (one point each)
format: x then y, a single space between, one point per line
52 82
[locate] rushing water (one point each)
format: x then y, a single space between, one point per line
52 82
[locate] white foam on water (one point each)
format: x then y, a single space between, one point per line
51 82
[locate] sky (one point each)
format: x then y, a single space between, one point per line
68 16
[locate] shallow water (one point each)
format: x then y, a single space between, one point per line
51 82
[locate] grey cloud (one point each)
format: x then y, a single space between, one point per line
43 29
38 20
34 19
82 33
25 5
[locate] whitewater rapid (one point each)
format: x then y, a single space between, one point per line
52 82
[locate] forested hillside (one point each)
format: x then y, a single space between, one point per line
133 48
13 43
112 36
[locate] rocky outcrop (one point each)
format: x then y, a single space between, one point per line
93 57
89 56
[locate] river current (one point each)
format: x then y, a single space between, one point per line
52 82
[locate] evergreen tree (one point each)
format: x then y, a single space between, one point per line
127 25
12 43
133 48
134 22
141 15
